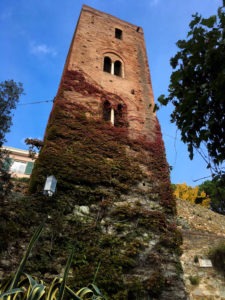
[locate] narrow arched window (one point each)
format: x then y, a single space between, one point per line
107 64
106 110
118 68
119 108
119 116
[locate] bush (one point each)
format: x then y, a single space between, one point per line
31 289
194 280
196 259
217 256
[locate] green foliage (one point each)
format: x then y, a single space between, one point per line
24 260
98 166
36 290
5 177
89 153
119 252
194 280
63 284
10 92
215 190
35 145
33 290
197 84
155 283
93 154
196 259
217 256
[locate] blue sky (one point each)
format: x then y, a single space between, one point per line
35 37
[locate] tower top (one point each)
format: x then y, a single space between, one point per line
110 53
115 19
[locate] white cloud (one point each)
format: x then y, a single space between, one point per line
42 49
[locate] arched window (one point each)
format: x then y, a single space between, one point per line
107 64
106 110
118 68
119 115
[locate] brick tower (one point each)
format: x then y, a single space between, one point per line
103 144
112 54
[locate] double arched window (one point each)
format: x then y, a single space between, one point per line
114 115
114 67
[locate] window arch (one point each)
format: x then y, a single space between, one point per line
107 64
119 116
106 110
118 68
113 64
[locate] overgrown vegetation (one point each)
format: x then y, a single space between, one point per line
215 189
23 285
195 195
85 152
217 256
196 89
210 194
195 280
114 201
10 92
115 238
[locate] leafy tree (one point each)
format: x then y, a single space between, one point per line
194 195
197 87
35 145
215 189
10 92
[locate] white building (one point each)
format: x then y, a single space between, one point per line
21 164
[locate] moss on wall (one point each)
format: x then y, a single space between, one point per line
80 150
113 203
116 235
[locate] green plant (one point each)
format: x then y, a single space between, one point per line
10 92
91 292
31 289
23 261
196 259
63 283
217 256
194 280
195 88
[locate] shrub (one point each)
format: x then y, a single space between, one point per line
194 280
32 289
196 259
217 256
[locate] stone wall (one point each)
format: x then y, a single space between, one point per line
202 230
